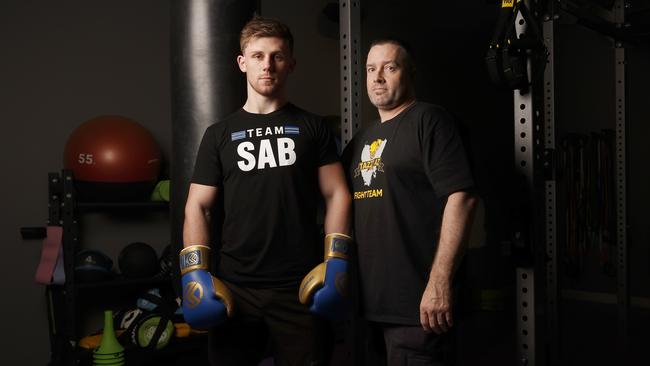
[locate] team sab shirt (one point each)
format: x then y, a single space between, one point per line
265 167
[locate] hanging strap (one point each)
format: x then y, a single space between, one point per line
50 267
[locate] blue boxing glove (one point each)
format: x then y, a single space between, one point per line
207 302
325 288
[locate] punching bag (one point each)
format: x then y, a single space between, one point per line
206 85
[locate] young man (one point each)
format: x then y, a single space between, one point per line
267 164
401 168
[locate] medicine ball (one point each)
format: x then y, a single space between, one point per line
112 158
92 266
166 260
138 260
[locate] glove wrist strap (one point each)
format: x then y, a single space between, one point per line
194 257
337 245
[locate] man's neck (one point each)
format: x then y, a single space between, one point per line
388 114
260 104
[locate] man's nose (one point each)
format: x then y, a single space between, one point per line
267 64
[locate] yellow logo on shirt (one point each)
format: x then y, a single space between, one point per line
375 146
371 193
369 165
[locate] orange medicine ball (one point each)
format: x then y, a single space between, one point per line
112 149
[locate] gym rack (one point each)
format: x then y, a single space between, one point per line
64 302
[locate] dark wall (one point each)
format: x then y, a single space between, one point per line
314 84
62 63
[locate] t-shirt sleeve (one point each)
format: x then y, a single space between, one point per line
444 157
208 168
327 150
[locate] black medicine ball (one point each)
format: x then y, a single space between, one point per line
92 266
166 260
138 260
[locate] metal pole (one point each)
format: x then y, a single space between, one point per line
550 193
524 166
350 63
621 191
526 316
350 41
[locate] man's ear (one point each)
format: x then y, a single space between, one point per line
241 62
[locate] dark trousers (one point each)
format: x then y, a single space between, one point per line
406 345
270 322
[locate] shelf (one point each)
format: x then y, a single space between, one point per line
107 206
121 282
67 301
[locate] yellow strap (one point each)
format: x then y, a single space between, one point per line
337 245
194 257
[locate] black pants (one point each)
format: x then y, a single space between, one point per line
407 345
270 322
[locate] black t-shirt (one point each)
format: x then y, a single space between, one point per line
266 169
400 172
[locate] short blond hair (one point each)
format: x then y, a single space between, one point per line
259 27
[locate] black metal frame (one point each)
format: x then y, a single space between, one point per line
621 188
550 193
350 43
54 293
63 300
543 148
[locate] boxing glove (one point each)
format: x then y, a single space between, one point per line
325 288
207 302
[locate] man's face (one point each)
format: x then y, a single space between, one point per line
386 78
267 62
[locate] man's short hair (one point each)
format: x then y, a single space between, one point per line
264 27
406 54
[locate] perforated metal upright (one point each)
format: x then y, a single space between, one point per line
55 293
529 155
62 298
553 335
621 189
350 63
70 244
350 54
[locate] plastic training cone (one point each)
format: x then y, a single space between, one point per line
109 343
